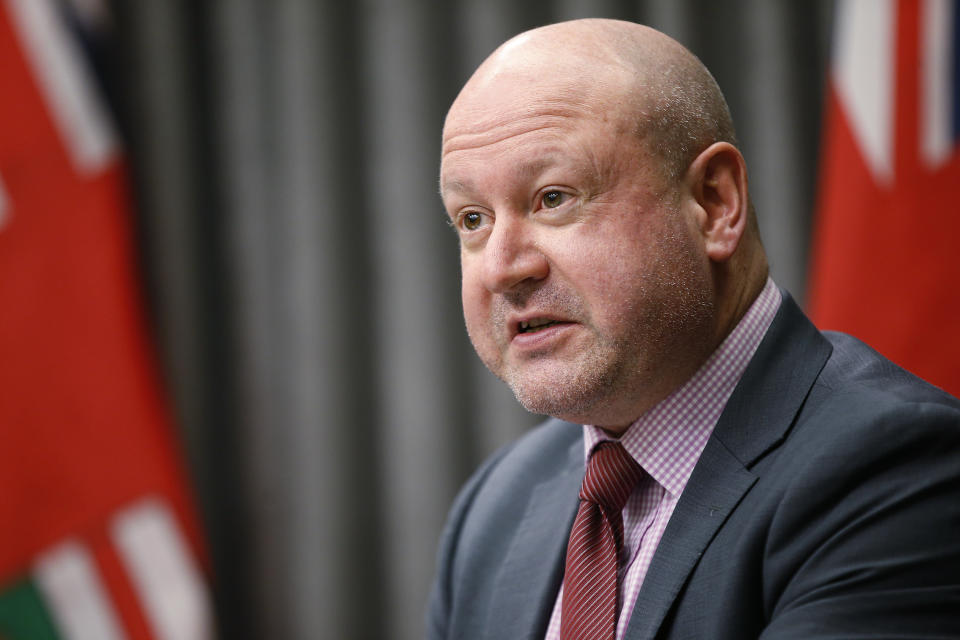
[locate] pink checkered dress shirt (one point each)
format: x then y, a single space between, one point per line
667 442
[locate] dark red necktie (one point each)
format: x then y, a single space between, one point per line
589 609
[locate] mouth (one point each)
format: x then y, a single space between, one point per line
536 324
539 335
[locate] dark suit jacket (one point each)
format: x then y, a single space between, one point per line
826 504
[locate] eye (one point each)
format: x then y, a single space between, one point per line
553 199
471 220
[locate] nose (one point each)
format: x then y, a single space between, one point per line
511 256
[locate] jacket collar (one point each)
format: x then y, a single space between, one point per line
756 419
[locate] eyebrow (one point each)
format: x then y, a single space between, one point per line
454 185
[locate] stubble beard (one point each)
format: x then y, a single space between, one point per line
590 386
666 338
572 389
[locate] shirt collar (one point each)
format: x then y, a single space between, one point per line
667 440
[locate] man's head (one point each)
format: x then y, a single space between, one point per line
607 240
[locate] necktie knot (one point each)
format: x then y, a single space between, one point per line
611 476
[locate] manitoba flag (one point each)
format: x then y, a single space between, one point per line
97 535
885 262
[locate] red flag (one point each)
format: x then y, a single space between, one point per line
99 536
885 264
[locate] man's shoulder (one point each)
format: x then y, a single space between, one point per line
537 474
545 445
863 409
857 373
810 394
826 537
544 451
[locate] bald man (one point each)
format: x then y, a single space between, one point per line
769 480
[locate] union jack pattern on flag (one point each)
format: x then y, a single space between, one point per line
99 539
885 261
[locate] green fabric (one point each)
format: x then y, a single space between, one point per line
23 615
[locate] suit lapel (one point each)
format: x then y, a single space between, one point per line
756 418
717 484
532 571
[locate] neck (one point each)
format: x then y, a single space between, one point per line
739 282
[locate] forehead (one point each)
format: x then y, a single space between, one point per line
466 172
521 80
520 120
532 133
497 116
521 151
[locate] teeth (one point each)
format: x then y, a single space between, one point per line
536 323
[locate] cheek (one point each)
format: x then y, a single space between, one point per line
476 313
471 291
473 307
615 269
603 266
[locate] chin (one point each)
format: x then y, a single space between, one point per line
567 395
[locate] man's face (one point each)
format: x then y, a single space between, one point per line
585 284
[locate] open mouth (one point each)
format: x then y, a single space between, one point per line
536 324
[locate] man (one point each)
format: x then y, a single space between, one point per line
739 473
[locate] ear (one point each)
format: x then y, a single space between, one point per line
717 180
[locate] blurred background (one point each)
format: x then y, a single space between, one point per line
299 286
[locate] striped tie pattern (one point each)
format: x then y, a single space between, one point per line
589 608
